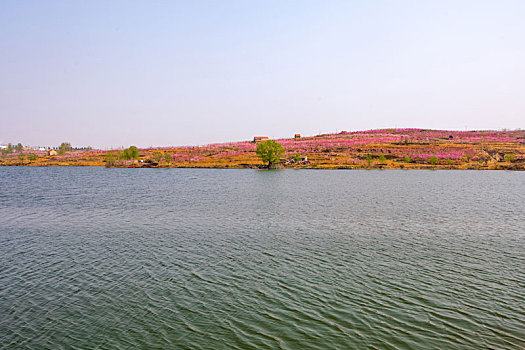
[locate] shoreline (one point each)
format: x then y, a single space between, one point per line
372 149
433 168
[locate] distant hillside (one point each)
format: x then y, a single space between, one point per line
385 148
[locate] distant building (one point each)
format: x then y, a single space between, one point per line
297 136
258 139
52 152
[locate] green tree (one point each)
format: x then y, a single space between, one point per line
32 156
130 153
19 147
110 159
270 152
64 147
433 160
407 159
369 160
297 157
125 154
133 152
167 158
382 159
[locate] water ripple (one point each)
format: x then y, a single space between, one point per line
207 259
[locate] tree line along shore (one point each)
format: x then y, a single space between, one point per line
372 149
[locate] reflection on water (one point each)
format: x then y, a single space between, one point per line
195 258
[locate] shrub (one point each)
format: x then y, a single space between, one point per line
509 157
382 159
433 160
157 156
407 159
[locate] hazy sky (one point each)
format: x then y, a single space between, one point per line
116 73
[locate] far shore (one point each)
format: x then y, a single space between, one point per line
403 149
502 167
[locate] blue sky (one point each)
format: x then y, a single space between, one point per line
117 73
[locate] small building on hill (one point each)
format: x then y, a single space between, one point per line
297 136
258 139
52 152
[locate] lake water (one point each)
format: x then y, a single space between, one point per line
292 259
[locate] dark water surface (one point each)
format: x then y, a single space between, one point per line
219 259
